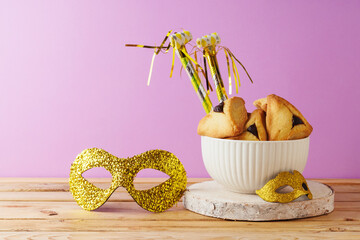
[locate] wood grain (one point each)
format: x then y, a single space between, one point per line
178 235
37 208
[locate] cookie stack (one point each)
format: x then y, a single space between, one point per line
274 119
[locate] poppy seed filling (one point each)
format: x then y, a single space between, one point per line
219 107
253 130
296 121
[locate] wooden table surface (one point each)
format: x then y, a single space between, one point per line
43 208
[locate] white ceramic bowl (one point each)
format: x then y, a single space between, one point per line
246 166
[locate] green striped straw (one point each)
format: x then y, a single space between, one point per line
208 43
178 41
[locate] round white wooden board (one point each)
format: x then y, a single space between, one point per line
211 199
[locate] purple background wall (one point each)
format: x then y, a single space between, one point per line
68 83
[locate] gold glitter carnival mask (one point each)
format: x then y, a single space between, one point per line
123 171
295 180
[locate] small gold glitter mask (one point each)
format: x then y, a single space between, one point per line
123 171
295 180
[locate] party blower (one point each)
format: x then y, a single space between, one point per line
178 41
208 44
211 46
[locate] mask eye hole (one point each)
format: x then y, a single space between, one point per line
296 121
253 130
305 187
98 172
284 189
149 172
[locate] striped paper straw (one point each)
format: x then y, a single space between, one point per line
178 41
208 43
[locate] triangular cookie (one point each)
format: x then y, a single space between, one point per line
261 103
284 121
255 127
227 120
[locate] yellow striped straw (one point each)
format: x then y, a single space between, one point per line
208 43
178 41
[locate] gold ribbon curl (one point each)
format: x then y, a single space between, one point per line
157 50
235 70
